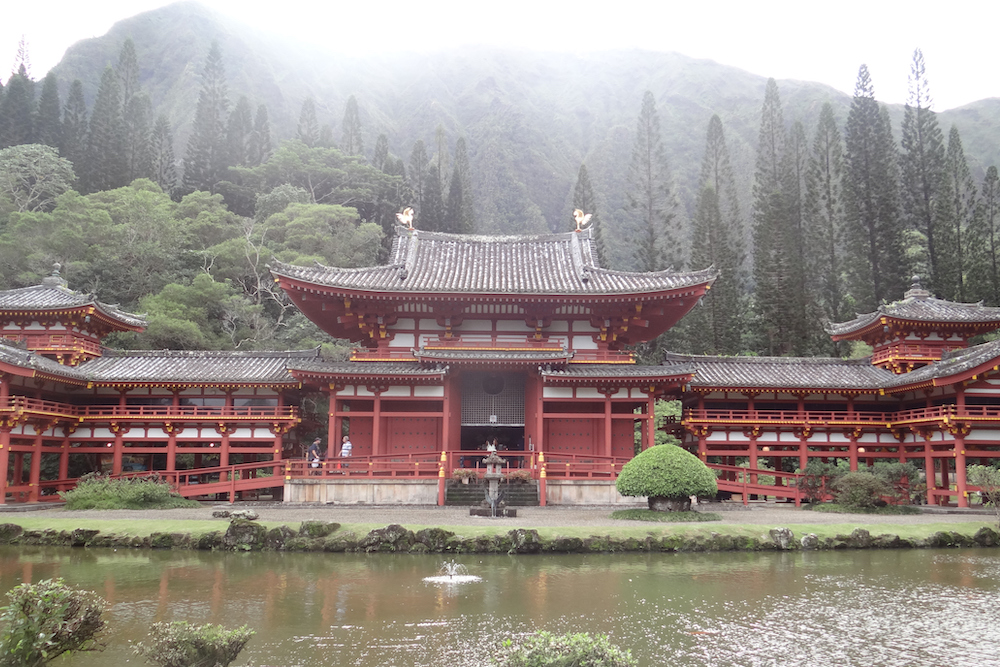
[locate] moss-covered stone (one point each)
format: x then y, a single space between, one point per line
419 548
209 541
244 535
524 541
9 532
341 542
984 537
886 541
435 539
161 541
944 538
391 539
276 538
303 544
82 536
316 529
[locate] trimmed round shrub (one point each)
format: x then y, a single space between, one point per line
860 489
544 649
668 476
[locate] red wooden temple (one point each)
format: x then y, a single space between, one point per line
520 340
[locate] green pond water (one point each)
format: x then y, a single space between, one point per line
865 608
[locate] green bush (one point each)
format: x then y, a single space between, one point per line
99 492
46 620
543 649
860 490
666 472
665 517
904 480
181 644
819 479
986 478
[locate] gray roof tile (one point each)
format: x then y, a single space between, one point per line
53 295
432 262
781 372
118 366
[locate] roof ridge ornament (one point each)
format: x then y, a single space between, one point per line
917 291
54 279
406 218
582 220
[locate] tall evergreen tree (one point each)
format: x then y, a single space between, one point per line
922 174
105 166
803 324
824 220
138 123
955 211
205 162
162 168
583 199
259 144
468 217
74 127
876 267
432 212
352 143
717 173
17 110
381 153
417 173
649 196
773 234
985 271
127 69
239 129
441 158
453 222
48 125
308 128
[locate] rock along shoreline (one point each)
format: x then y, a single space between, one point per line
247 535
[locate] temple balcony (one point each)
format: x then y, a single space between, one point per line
909 355
33 408
889 419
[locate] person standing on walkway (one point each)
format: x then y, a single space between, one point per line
345 449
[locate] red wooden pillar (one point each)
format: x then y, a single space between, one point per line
64 456
116 461
930 477
4 461
35 473
651 418
377 445
960 482
852 453
608 435
446 409
171 448
18 477
224 448
279 443
753 453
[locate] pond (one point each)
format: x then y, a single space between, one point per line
913 607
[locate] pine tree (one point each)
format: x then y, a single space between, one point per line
239 129
650 196
352 143
128 71
17 110
417 173
308 129
453 222
48 126
717 173
138 121
985 271
205 162
955 211
74 127
105 166
876 267
431 212
162 168
922 174
773 235
803 325
381 152
583 199
441 158
259 144
824 219
468 217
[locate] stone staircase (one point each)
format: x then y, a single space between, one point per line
514 495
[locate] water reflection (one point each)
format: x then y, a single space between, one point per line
844 608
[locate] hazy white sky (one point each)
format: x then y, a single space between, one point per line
786 39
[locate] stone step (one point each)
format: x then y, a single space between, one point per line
514 495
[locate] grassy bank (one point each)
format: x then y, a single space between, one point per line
274 535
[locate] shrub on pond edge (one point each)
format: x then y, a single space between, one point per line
100 492
544 649
181 644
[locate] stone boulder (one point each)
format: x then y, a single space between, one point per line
783 538
810 541
391 539
244 535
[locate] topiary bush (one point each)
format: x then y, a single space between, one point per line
100 492
45 620
668 476
860 490
544 649
181 644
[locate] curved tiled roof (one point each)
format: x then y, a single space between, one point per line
781 372
54 295
142 366
919 305
611 371
17 356
433 262
951 363
512 356
363 369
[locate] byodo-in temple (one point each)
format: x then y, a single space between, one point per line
521 342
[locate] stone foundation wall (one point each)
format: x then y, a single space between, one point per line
362 491
587 492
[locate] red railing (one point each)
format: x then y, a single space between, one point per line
908 351
34 406
746 481
839 418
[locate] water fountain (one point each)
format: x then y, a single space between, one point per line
452 573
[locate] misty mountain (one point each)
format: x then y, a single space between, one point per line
530 119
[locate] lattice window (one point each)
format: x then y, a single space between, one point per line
493 399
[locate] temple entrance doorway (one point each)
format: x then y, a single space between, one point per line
492 411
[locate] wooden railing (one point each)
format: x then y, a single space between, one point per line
34 406
842 418
912 351
746 481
